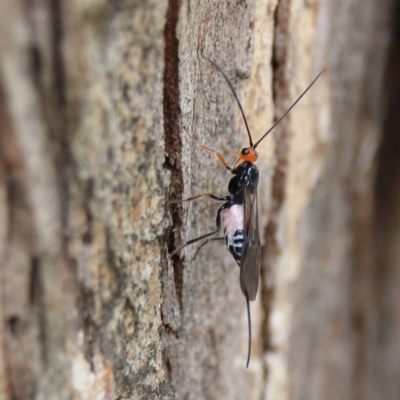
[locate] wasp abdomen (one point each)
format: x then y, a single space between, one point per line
235 246
234 231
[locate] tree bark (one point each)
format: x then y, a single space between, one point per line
95 98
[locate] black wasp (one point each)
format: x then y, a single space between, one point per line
241 218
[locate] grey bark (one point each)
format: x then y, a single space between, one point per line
94 102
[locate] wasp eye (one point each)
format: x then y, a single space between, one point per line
246 151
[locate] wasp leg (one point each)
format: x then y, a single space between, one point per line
211 196
232 151
217 153
189 242
204 243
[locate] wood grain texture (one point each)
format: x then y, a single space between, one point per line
94 100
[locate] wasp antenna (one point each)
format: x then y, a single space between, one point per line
234 94
249 323
290 108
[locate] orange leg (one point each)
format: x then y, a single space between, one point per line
219 155
231 151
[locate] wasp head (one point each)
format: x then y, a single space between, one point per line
249 154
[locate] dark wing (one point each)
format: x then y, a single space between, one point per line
251 253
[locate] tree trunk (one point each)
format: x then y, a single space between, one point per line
95 98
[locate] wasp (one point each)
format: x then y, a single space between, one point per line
241 228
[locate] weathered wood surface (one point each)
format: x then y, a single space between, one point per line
94 97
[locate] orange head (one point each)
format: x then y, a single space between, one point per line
249 154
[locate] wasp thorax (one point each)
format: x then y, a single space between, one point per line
249 154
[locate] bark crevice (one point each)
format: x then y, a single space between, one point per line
173 143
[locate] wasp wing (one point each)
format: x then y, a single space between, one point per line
251 254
